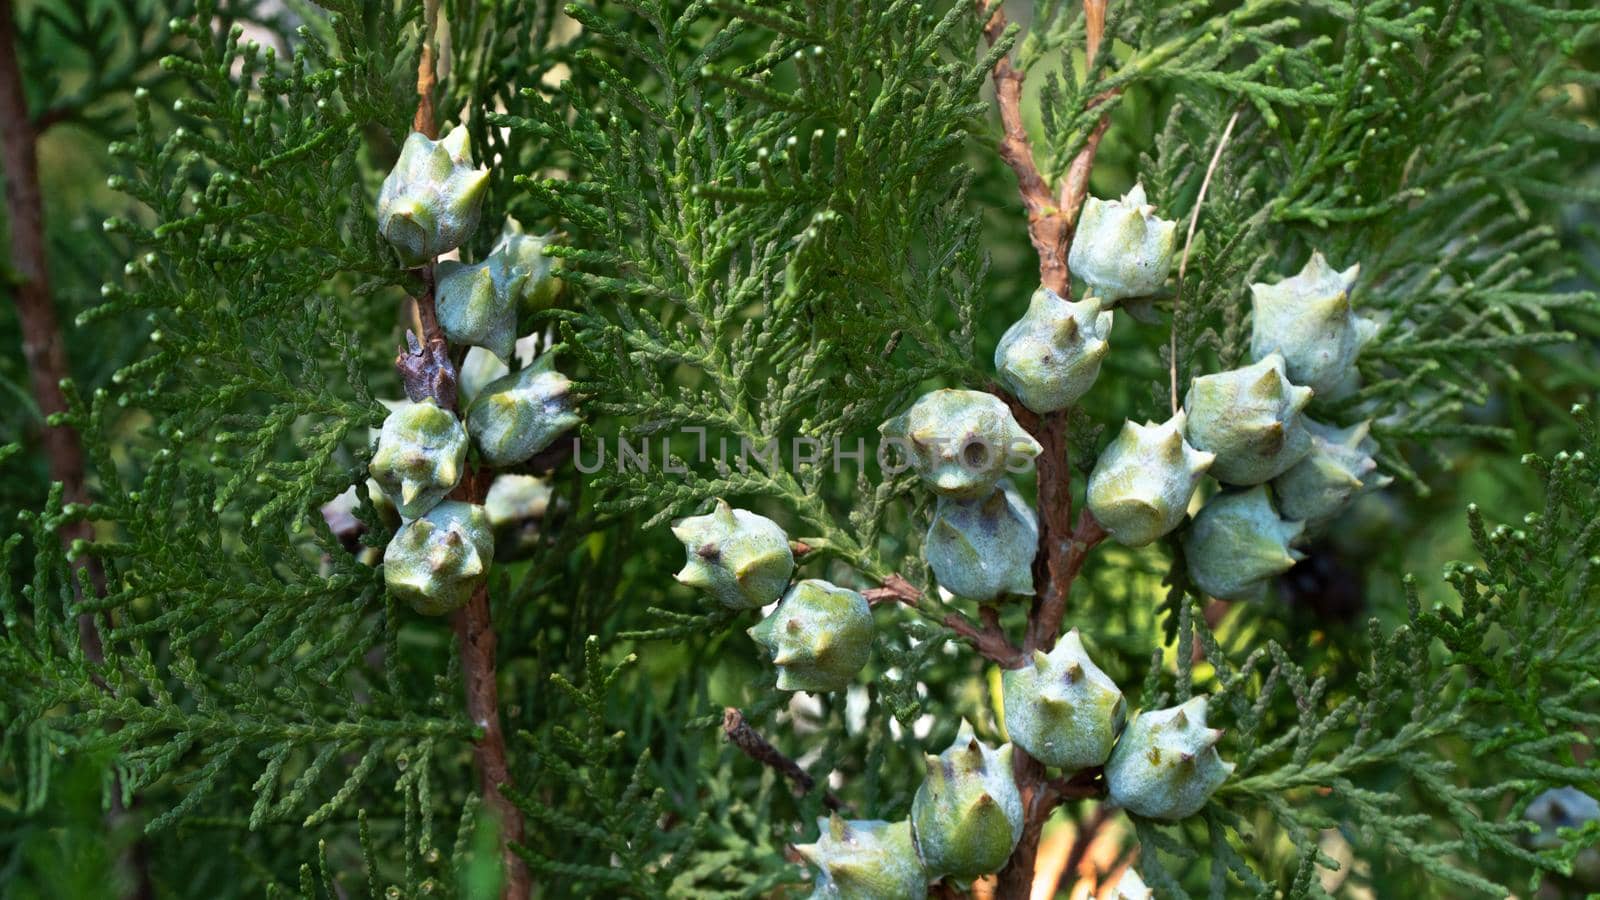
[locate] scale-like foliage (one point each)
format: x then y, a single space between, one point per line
778 222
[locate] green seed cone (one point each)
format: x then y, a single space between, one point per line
420 456
1251 418
983 549
1142 483
961 442
477 303
1121 248
435 563
516 505
1061 708
1238 543
1166 765
819 637
527 252
431 200
521 414
1338 468
1051 356
1309 321
740 558
967 814
865 860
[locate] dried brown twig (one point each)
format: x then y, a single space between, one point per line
752 744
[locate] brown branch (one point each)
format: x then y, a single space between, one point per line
46 356
1085 838
425 121
895 589
427 372
988 638
475 634
1063 546
1049 228
752 744
1051 215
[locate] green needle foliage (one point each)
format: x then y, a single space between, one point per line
777 223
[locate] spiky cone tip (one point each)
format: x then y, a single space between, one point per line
1051 356
865 859
434 563
420 456
517 416
431 200
1166 765
967 815
1251 418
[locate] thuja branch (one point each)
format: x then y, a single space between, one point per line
46 355
427 372
1048 226
1063 546
42 345
1051 214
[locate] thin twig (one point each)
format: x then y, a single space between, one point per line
1183 264
895 589
1048 226
990 642
1085 838
758 748
427 79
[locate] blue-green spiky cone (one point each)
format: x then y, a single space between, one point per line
740 558
1558 808
1142 483
420 456
521 414
983 549
819 637
865 860
477 303
543 286
1121 248
431 200
1308 319
1238 543
1061 708
1339 467
435 563
478 369
1166 765
516 505
1251 418
1051 356
961 442
967 815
